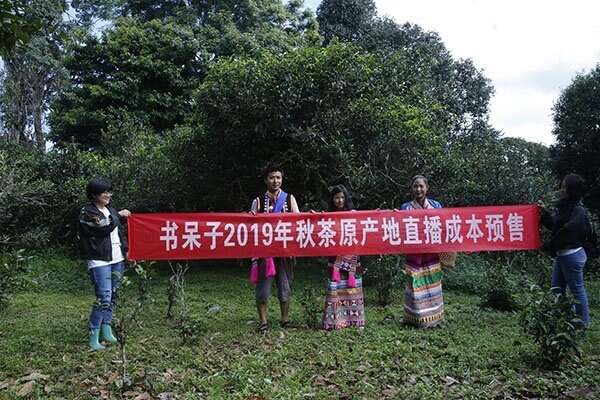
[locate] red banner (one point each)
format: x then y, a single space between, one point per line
234 235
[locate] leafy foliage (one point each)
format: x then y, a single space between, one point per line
386 274
128 314
24 198
311 304
460 89
550 320
577 132
500 289
348 20
331 113
34 74
13 266
189 326
16 28
148 69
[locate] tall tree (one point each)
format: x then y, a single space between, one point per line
33 74
348 20
577 131
330 115
460 88
150 67
147 70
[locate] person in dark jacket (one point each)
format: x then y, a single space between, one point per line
103 244
571 229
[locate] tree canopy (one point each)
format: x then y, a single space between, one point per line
577 131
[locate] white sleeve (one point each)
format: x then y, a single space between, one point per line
294 204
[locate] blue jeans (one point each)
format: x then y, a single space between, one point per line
568 272
107 282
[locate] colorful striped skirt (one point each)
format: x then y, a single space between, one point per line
423 300
344 306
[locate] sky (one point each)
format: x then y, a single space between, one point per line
530 49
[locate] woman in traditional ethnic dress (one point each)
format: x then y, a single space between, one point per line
344 304
423 300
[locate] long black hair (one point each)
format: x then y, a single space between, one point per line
574 187
348 204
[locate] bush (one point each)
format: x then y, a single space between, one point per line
500 289
469 274
13 266
551 321
499 278
190 329
54 271
312 307
386 274
24 198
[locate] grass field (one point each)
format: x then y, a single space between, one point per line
478 354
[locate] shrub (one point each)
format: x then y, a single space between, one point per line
190 328
551 321
386 274
469 274
312 307
500 289
13 266
24 196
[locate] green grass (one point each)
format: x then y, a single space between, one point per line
479 353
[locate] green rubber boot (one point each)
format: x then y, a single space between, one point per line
94 342
106 333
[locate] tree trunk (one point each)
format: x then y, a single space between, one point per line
38 115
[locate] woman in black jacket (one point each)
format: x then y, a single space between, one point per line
571 229
103 244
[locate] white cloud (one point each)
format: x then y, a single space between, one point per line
529 49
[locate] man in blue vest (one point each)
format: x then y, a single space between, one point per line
265 270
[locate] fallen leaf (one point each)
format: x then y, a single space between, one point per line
34 376
362 368
101 381
113 377
26 389
321 381
143 396
449 381
580 392
390 392
166 396
86 382
47 389
7 383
